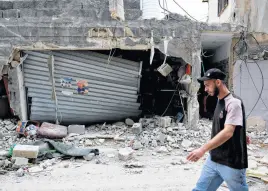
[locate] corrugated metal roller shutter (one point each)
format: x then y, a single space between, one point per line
112 88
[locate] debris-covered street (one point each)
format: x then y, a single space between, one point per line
151 156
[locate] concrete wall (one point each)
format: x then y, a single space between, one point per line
244 87
222 52
259 16
225 16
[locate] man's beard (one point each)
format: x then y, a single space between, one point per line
216 91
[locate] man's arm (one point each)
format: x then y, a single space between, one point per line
215 142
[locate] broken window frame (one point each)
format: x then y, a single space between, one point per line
222 4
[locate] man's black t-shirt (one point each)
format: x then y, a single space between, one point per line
233 153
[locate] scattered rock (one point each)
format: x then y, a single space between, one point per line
20 172
110 155
2 163
77 129
89 157
186 143
129 122
176 163
165 122
154 143
252 164
137 145
162 149
170 139
27 151
125 154
7 163
35 169
21 162
89 143
256 124
145 141
4 153
161 138
101 141
137 128
134 165
266 141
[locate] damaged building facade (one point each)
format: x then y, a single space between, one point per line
83 62
249 50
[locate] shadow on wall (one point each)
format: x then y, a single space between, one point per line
4 105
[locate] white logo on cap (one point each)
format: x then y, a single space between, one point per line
208 74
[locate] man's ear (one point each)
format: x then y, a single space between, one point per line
218 82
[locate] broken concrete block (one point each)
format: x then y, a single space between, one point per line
186 143
134 165
78 129
165 122
20 172
89 157
35 169
137 128
4 153
137 145
154 143
89 143
20 161
129 122
162 149
252 164
26 151
256 124
125 154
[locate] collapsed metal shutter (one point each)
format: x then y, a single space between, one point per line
112 88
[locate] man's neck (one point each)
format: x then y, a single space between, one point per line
223 93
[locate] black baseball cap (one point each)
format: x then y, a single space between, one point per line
212 73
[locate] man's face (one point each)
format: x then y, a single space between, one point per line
211 87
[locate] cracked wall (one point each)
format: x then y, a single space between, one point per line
83 25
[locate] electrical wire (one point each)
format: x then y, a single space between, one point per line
185 11
260 93
242 37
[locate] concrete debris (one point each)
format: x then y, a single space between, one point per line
266 141
27 151
89 143
137 128
125 154
256 124
101 141
20 172
154 143
134 165
4 153
89 157
165 122
186 143
78 129
137 145
110 155
7 164
35 169
129 122
21 162
162 149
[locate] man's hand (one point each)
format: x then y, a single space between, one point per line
248 140
195 155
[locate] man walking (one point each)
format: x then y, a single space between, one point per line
228 158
